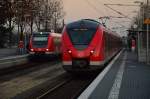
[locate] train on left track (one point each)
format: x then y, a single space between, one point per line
44 43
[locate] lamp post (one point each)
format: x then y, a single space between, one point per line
147 45
147 34
141 12
139 25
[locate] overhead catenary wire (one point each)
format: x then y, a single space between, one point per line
96 9
93 6
117 12
123 4
106 10
122 15
102 7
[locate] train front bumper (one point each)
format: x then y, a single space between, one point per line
92 66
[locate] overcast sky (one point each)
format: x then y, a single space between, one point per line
81 9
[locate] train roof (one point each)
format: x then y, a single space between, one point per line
89 23
83 23
56 34
34 33
112 32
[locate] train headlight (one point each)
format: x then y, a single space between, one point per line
91 51
70 51
32 49
47 49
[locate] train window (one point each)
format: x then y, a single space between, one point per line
81 37
40 37
40 40
83 24
82 32
39 44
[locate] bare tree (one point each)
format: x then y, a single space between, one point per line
45 14
49 13
6 16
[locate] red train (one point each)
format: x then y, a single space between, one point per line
87 45
45 43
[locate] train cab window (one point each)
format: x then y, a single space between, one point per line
81 36
82 32
40 40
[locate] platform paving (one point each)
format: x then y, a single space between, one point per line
136 79
9 52
127 79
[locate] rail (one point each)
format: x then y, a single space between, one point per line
13 61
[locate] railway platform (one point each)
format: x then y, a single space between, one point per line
7 52
123 78
10 52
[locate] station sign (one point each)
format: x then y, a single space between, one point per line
147 21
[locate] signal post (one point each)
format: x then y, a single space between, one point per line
147 22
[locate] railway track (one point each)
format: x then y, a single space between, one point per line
46 87
69 88
20 80
59 85
30 65
45 80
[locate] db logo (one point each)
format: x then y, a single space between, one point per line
40 49
79 55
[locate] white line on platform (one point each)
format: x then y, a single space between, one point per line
87 92
19 60
114 92
13 57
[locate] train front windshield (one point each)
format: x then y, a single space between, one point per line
81 36
40 40
81 33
